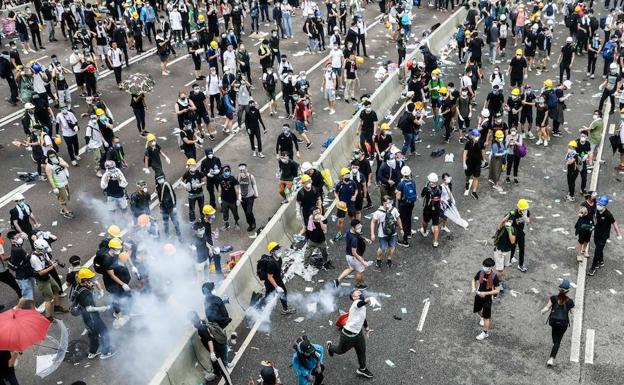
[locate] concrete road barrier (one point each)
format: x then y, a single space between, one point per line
186 361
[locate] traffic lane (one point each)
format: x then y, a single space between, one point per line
603 292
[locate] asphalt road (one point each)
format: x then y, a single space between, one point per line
81 235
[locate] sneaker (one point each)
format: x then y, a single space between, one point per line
539 142
210 377
466 192
483 336
389 263
522 268
422 232
378 263
474 195
336 283
337 237
107 355
516 181
481 322
285 201
446 229
591 272
260 155
545 143
74 163
288 311
368 206
309 145
254 153
435 243
331 112
402 243
329 344
530 135
497 188
556 134
550 362
225 227
570 198
93 355
601 264
364 373
514 260
361 286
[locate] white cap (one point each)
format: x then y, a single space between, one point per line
485 113
306 166
18 197
406 171
613 66
567 84
29 106
569 39
503 18
433 177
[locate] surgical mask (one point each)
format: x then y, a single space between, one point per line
448 180
595 117
583 139
358 229
388 205
144 189
65 111
286 132
433 77
54 160
160 181
284 160
464 94
117 145
212 217
600 208
392 163
115 252
153 143
369 109
196 90
210 156
227 174
193 168
485 269
19 241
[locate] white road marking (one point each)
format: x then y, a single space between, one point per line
423 315
121 125
8 197
589 346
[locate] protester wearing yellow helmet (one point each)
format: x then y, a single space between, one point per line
572 161
152 157
269 270
517 219
346 194
497 157
434 85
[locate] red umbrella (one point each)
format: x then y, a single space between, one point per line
21 329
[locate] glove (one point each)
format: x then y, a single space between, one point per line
125 287
56 191
465 166
279 290
135 270
168 160
146 170
219 200
238 202
213 357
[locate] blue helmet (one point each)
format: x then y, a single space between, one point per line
474 132
36 68
603 200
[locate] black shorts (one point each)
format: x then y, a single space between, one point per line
515 82
526 118
484 306
476 60
432 216
343 214
197 62
358 204
202 116
473 170
79 79
512 120
584 236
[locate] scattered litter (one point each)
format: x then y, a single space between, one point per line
89 232
63 249
69 245
255 348
398 273
513 293
412 351
320 281
529 190
557 200
54 223
539 217
534 290
390 363
311 307
435 285
613 291
573 284
59 382
566 274
556 215
396 317
87 366
448 158
546 177
330 322
299 319
345 284
377 309
444 261
553 266
617 271
403 310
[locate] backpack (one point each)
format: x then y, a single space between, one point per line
404 122
76 309
551 99
550 10
262 267
409 192
390 224
99 260
608 50
269 83
559 315
503 31
603 22
460 35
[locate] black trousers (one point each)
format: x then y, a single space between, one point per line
199 201
36 36
210 186
254 136
346 343
139 114
520 244
598 251
405 213
572 182
117 71
226 207
607 94
592 58
583 173
9 279
72 146
170 215
247 204
13 88
557 336
8 377
270 289
563 69
513 161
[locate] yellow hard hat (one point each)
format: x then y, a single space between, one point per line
443 90
214 44
272 246
305 178
515 92
150 137
135 15
436 72
201 18
115 243
114 231
577 9
99 112
541 5
519 51
342 206
143 220
499 134
359 60
467 33
208 210
344 171
58 140
191 162
572 143
385 126
169 248
523 204
84 273
548 83
418 105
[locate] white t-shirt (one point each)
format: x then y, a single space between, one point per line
63 121
176 20
94 134
466 81
330 77
357 316
115 56
38 84
74 60
229 59
336 58
37 262
212 84
380 216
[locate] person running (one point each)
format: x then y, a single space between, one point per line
385 222
560 307
352 335
602 232
431 195
473 156
485 284
355 246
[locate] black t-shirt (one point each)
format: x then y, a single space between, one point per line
495 101
566 54
517 220
368 121
504 242
604 221
307 200
355 241
228 190
195 180
474 155
121 271
514 104
483 286
24 222
275 269
569 304
350 69
517 67
475 47
153 156
317 235
189 134
21 261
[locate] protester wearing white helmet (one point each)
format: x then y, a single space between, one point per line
431 194
22 218
42 267
609 86
406 196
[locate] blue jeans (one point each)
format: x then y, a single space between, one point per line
287 25
409 143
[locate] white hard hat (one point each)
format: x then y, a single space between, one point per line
569 39
29 106
613 66
503 18
433 177
40 244
306 166
567 84
406 171
18 197
485 113
550 22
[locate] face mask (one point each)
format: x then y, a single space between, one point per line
160 181
19 241
464 94
583 139
369 109
210 156
103 119
388 205
434 78
54 160
115 252
284 160
200 233
358 229
145 189
286 132
269 72
153 143
595 117
193 168
227 174
212 217
600 208
117 146
392 163
448 180
485 269
196 90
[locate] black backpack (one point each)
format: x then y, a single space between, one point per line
262 266
559 315
270 82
